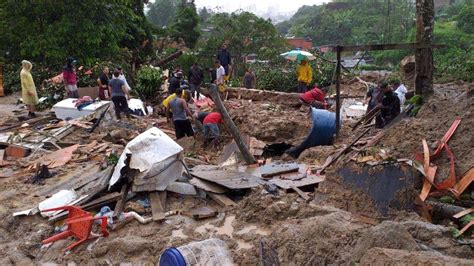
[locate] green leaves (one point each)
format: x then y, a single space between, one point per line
149 82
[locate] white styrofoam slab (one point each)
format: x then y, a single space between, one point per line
67 109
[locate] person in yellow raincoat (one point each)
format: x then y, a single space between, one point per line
28 89
305 75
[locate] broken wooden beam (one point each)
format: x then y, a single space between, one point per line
121 203
248 157
301 193
221 199
158 205
335 158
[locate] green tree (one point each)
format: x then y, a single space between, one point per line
185 24
161 12
465 19
245 33
49 31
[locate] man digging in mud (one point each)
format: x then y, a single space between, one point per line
315 98
389 107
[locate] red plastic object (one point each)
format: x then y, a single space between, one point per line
79 226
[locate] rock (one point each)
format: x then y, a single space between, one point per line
385 235
383 256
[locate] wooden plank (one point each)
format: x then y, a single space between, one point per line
208 186
121 203
464 182
228 178
307 181
388 46
231 127
301 193
107 199
157 206
69 182
334 159
222 199
273 169
461 214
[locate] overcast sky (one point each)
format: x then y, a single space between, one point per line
260 5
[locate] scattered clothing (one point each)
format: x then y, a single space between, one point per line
401 91
83 102
389 109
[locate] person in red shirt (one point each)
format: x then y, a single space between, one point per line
211 128
70 78
315 98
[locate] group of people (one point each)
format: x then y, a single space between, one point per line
388 99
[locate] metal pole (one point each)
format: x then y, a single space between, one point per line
338 91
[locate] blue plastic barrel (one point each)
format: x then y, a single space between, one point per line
323 129
322 132
172 257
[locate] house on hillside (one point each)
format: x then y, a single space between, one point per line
300 43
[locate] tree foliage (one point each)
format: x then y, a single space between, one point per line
161 12
185 25
244 33
50 31
352 21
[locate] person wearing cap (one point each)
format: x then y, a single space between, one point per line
305 76
389 107
28 88
175 82
70 78
315 98
181 113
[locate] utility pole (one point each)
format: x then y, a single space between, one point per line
424 56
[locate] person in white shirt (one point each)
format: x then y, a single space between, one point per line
122 77
400 90
220 73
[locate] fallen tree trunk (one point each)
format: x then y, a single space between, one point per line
248 157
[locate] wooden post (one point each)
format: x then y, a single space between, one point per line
338 91
424 56
248 157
